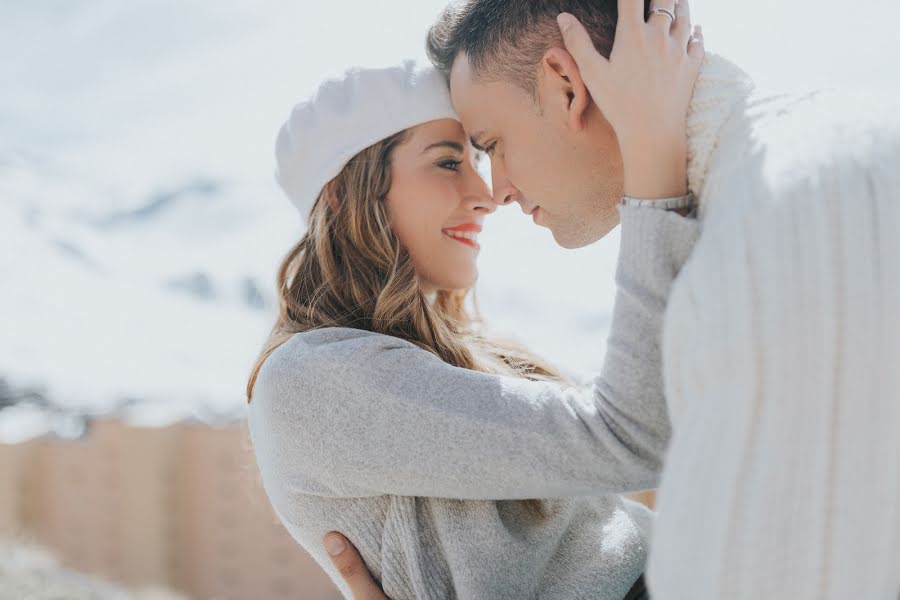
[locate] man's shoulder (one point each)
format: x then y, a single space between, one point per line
807 138
785 152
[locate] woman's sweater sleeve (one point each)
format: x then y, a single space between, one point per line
344 412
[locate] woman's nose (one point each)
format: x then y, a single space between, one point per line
478 194
485 205
504 191
480 199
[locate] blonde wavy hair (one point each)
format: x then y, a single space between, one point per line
349 270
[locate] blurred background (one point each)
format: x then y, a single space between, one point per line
140 229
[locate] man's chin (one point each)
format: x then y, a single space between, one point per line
579 237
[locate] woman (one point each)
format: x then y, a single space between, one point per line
457 464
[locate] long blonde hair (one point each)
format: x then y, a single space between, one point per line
349 270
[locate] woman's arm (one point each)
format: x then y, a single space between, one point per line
349 413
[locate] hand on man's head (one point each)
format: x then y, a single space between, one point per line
644 89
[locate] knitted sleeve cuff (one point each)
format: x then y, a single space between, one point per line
654 244
684 205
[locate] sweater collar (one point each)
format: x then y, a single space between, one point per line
719 90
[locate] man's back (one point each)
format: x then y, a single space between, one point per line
782 346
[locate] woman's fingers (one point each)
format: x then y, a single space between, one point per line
683 27
664 18
579 45
350 565
696 50
631 12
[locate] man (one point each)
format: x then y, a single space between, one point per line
782 338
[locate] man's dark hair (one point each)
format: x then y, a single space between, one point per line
506 39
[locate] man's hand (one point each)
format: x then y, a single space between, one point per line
644 89
350 565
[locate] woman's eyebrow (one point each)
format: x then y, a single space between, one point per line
445 144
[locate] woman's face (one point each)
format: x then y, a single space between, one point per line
437 204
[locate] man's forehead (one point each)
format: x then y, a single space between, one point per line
461 69
461 79
473 99
461 92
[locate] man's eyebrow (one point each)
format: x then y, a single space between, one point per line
473 139
445 144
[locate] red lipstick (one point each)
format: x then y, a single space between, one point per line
465 227
464 233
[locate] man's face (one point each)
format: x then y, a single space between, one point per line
567 178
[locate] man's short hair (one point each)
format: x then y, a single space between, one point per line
506 39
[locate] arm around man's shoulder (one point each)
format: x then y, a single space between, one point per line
358 413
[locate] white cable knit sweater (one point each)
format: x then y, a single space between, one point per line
782 352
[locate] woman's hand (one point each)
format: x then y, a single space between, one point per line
644 90
346 559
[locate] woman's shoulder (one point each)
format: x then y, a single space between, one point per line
315 359
332 343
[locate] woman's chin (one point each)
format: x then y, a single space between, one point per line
455 282
467 281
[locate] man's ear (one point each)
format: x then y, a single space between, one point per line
561 85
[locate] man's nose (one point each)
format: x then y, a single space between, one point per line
504 191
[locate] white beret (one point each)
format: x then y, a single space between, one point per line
346 116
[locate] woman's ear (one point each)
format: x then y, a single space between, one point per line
561 86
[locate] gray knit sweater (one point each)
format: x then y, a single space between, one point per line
423 465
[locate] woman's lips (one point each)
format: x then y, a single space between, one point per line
468 242
467 234
476 227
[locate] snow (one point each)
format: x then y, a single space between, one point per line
140 226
